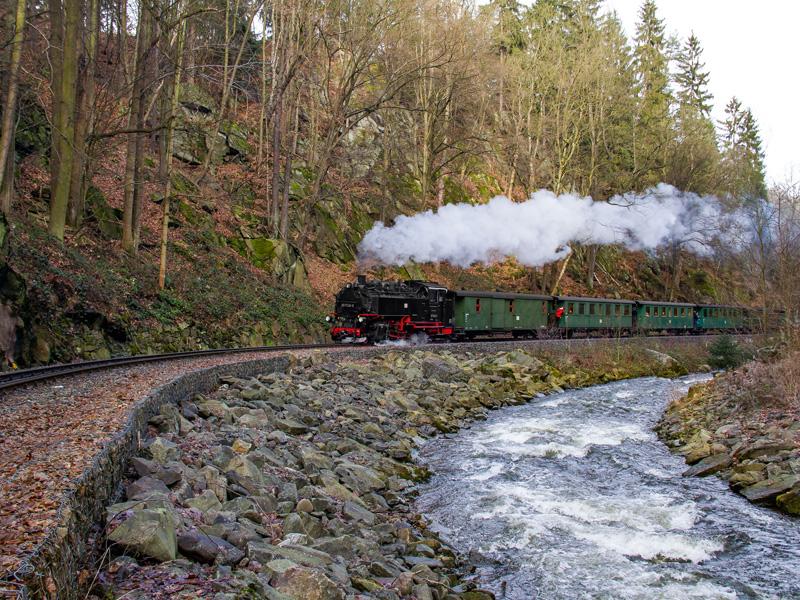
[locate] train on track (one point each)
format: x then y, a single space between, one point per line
378 311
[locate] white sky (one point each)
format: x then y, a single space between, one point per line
751 49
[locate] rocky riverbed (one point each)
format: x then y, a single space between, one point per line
298 484
722 429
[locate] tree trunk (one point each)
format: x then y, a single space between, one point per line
560 274
277 123
9 109
66 136
83 119
262 119
136 108
168 135
287 173
55 49
189 51
590 266
7 189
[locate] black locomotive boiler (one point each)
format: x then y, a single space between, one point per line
376 311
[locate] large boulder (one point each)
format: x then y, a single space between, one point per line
149 532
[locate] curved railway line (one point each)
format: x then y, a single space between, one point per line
23 377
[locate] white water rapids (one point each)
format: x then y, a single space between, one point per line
573 496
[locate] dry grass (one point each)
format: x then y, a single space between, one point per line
769 383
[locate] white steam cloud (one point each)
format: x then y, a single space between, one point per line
539 230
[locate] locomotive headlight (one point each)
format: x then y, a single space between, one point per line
361 319
328 318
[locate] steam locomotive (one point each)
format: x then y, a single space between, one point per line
377 311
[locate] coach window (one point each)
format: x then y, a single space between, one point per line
608 310
581 308
511 306
477 305
544 308
663 311
675 311
571 308
591 309
616 309
627 310
646 311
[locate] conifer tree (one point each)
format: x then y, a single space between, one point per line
743 155
653 123
692 78
693 163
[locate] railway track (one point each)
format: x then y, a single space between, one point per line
13 379
22 377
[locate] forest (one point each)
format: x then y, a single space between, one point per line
209 166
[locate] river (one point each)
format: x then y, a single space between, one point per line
573 496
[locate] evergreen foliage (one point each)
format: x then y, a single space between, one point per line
743 154
692 78
725 353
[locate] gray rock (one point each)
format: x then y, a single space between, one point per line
244 468
302 555
149 532
765 448
663 359
708 466
279 566
421 591
438 370
355 512
208 548
204 502
291 426
163 451
359 478
144 487
769 489
308 584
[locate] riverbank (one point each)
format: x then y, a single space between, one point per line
744 427
297 483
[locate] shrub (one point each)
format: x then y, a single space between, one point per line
725 353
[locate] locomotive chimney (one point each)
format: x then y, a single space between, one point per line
361 279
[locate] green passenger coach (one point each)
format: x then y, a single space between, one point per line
573 313
483 313
656 316
720 317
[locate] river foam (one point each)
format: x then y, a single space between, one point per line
574 497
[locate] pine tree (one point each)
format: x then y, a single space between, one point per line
750 139
692 78
651 62
694 161
743 154
732 124
507 36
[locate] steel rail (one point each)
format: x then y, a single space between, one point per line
22 377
